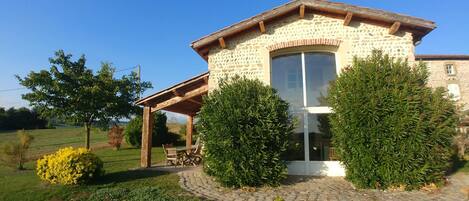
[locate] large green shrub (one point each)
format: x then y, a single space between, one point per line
245 127
133 131
389 127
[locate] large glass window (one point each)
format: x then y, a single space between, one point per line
302 79
287 78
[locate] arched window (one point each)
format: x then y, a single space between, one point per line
302 79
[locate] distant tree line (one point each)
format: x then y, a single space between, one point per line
21 118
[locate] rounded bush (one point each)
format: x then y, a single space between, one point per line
389 128
160 135
69 166
244 126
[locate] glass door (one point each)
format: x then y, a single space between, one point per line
302 79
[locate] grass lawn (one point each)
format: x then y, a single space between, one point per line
25 185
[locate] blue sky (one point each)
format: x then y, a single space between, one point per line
157 34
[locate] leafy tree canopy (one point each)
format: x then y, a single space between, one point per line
71 91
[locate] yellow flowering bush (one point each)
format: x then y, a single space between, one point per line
69 166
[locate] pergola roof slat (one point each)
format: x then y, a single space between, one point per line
184 97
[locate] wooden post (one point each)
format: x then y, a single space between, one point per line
348 18
394 28
147 129
261 27
189 128
302 11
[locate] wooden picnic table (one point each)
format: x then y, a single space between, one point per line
185 155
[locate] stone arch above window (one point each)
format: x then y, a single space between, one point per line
304 42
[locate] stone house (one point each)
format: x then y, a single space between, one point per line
450 72
297 48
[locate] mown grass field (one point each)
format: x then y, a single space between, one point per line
25 185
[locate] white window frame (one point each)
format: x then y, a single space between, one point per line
454 91
450 69
305 109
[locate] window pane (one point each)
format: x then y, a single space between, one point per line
450 69
320 146
320 70
287 78
453 90
296 148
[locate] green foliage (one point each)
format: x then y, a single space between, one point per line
25 185
391 129
245 126
278 198
133 131
70 91
138 194
14 153
69 166
21 118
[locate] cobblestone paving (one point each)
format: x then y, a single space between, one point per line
316 188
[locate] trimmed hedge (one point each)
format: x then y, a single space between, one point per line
244 126
390 129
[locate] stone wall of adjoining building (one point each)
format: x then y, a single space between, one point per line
439 77
248 54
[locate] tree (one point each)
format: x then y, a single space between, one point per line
21 118
14 152
160 134
389 128
70 91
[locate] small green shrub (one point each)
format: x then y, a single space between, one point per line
69 166
245 126
278 198
109 194
14 153
133 131
390 129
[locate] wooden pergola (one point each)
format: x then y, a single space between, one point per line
183 98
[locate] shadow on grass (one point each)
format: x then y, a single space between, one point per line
126 176
124 160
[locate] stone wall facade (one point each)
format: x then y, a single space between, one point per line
248 54
440 78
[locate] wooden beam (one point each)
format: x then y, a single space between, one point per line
189 128
177 93
261 27
394 28
188 95
194 101
206 79
302 11
348 18
147 130
222 43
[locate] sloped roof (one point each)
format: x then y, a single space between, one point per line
184 97
442 57
420 27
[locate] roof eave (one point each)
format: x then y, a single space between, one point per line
420 26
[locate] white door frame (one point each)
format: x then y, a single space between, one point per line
307 167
